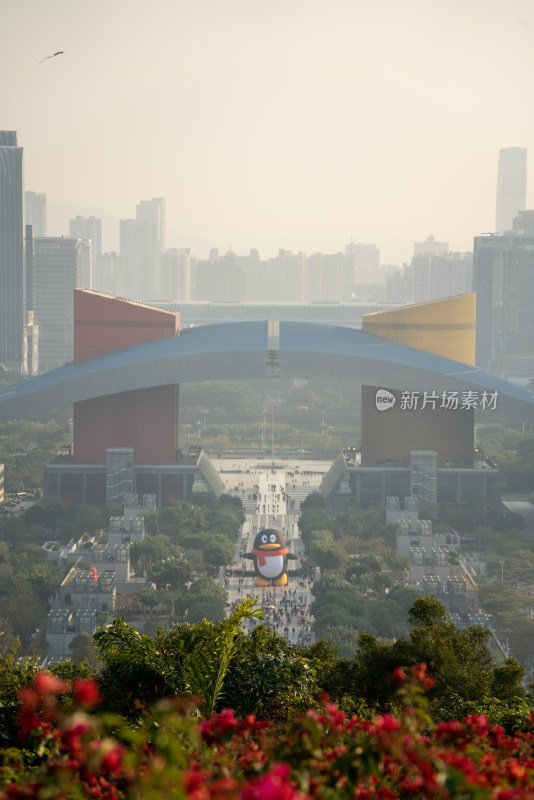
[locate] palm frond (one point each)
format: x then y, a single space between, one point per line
208 665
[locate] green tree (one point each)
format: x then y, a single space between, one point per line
143 555
507 681
186 659
47 512
15 673
497 598
173 572
322 549
205 599
88 520
14 530
152 524
81 647
208 665
22 607
315 519
458 660
218 550
269 678
313 500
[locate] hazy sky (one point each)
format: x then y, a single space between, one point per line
293 124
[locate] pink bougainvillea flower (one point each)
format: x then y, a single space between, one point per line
86 692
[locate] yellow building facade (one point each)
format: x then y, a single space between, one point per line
442 327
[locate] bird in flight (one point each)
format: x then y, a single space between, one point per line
59 53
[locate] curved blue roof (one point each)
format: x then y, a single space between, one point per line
239 350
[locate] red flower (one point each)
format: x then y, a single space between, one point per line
46 683
387 723
112 762
399 676
272 786
419 674
86 692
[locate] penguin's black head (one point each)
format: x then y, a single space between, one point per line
269 539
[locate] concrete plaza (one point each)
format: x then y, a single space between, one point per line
271 492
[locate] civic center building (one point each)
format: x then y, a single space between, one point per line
422 442
127 442
415 366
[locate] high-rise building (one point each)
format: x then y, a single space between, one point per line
431 276
151 215
511 186
132 248
176 274
286 276
112 275
437 276
90 230
142 242
35 205
523 224
57 272
31 331
152 212
364 260
12 271
326 278
503 279
222 280
430 246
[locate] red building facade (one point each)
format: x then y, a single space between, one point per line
145 419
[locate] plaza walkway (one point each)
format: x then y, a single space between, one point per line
271 496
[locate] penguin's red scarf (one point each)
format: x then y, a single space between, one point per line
263 555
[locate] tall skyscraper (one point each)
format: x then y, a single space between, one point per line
57 270
90 230
132 249
142 242
12 273
151 214
176 274
511 187
35 205
503 279
112 275
31 337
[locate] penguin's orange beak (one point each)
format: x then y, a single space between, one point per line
273 546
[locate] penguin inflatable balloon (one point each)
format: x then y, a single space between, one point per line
270 556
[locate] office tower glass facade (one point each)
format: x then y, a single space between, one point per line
12 272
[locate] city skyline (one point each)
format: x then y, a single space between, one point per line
298 125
